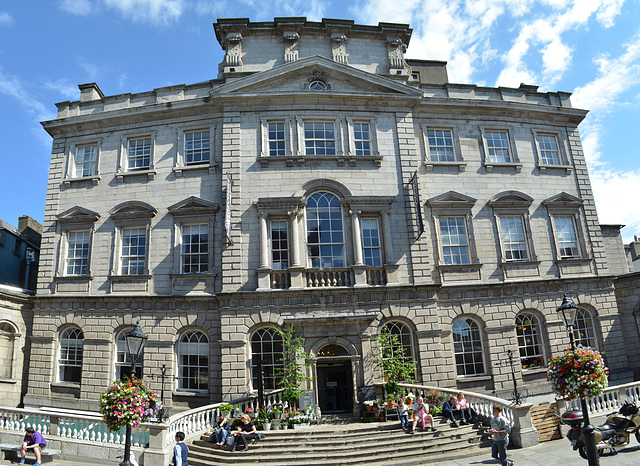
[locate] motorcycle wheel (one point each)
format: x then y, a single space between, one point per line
583 452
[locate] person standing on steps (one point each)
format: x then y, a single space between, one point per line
500 428
403 413
246 431
180 451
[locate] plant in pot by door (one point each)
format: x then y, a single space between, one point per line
225 409
369 404
277 412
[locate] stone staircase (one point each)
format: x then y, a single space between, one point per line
374 443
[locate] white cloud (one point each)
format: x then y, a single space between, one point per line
12 87
77 7
158 12
5 18
64 88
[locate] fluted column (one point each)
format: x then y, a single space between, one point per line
295 239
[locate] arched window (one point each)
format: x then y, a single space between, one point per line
7 342
193 361
123 361
584 331
325 232
266 347
403 332
71 349
467 347
529 341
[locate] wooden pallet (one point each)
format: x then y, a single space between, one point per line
546 420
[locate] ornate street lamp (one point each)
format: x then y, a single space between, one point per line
567 312
135 340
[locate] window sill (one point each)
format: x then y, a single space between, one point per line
194 167
473 378
8 380
568 169
574 260
513 166
66 385
150 174
519 263
534 370
93 179
301 160
190 393
431 165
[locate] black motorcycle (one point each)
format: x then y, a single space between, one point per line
615 432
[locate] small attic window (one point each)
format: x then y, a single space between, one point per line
317 86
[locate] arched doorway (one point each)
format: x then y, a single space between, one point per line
334 380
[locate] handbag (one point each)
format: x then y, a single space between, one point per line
230 440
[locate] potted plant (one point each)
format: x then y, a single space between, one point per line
275 425
391 402
293 373
369 404
250 413
225 408
578 373
277 411
390 358
410 413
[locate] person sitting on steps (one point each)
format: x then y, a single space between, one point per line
466 412
246 431
32 441
449 410
421 412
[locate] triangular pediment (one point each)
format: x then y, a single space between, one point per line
563 200
193 206
133 209
295 77
451 200
78 214
511 199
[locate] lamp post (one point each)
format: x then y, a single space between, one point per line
135 340
517 396
567 311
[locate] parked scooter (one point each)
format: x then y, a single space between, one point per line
615 432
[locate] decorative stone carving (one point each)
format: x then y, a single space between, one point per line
396 50
233 56
290 46
339 48
317 76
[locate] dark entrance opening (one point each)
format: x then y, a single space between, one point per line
335 386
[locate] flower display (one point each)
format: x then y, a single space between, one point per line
128 403
369 403
578 373
248 411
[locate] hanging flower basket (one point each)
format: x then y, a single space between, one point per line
128 403
578 373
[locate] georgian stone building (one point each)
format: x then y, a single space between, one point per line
325 181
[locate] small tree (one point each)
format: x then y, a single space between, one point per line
390 358
292 375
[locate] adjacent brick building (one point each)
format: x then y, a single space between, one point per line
325 181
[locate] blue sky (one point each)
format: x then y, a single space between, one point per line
588 47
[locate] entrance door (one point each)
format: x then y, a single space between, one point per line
335 386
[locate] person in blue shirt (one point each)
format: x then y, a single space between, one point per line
180 451
450 408
32 441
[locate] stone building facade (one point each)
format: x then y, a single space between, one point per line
324 181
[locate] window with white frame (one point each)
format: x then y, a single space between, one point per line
566 236
139 153
498 147
194 252
514 238
134 251
371 249
123 361
319 138
8 341
584 329
403 333
529 341
548 149
85 161
71 353
279 245
266 347
467 347
325 232
362 138
193 361
197 147
455 241
440 145
276 138
78 252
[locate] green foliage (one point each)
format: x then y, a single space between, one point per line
292 374
226 408
389 357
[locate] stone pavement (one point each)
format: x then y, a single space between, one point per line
554 453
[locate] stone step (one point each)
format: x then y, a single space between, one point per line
381 443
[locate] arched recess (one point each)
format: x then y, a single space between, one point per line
587 331
265 352
469 351
336 372
405 330
532 344
322 184
192 355
9 335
